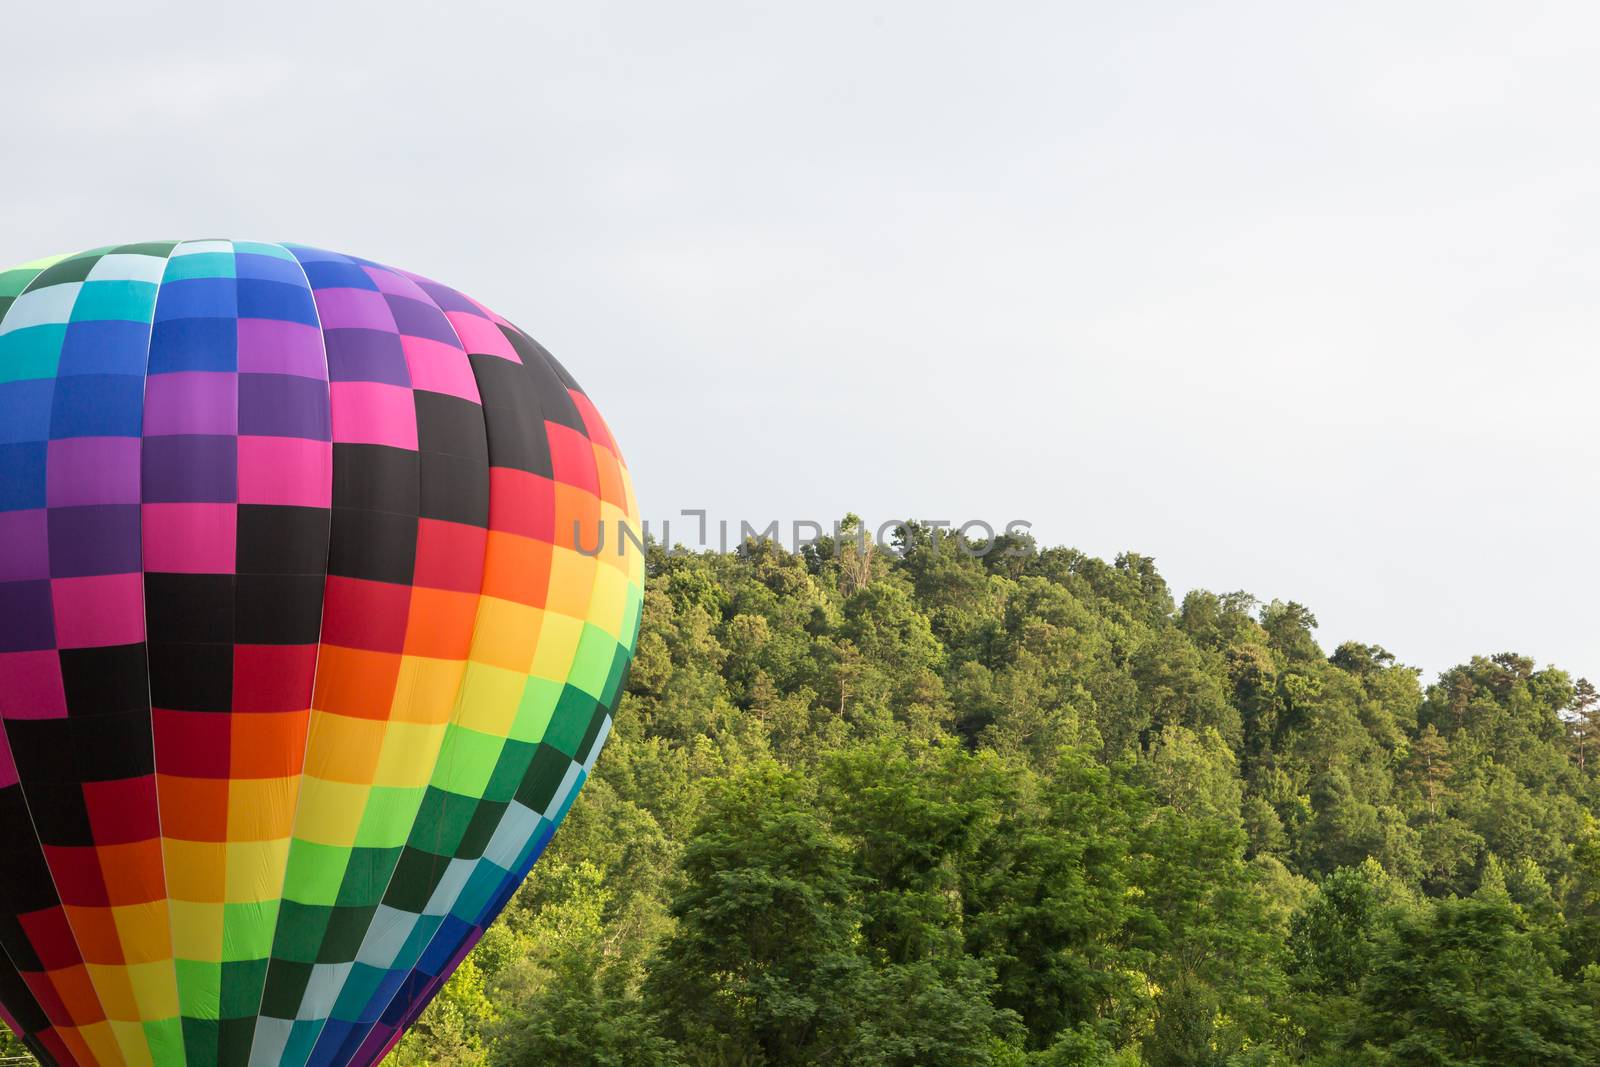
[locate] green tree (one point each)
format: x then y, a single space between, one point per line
762 966
1464 984
583 1017
1207 924
452 1031
1333 940
12 1050
1050 902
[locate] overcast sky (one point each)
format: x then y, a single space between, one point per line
1296 300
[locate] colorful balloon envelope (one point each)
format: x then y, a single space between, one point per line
314 610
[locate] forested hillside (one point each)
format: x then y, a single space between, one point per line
866 807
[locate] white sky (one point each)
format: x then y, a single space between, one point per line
1294 299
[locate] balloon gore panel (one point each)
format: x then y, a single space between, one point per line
305 646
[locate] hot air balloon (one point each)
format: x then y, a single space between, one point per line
306 644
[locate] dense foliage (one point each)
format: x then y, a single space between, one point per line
926 807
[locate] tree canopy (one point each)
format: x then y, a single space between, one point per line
1023 808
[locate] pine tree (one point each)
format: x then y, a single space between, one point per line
1430 765
1583 722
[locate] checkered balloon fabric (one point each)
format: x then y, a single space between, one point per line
305 644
